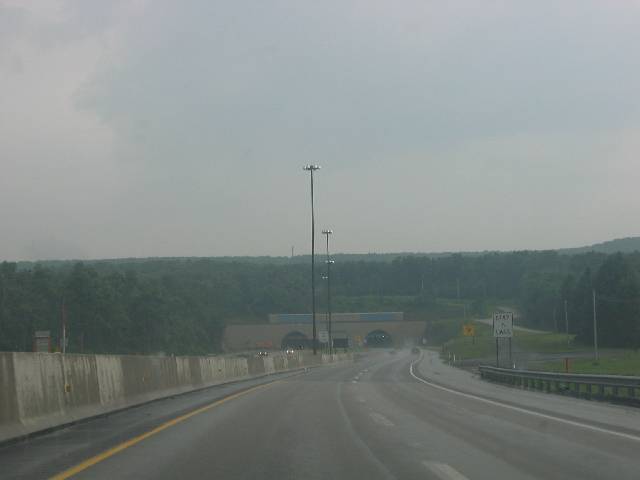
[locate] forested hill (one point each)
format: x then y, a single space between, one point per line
182 305
262 260
622 245
619 245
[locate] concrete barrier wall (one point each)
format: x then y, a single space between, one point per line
9 412
39 391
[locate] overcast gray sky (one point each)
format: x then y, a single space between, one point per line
165 128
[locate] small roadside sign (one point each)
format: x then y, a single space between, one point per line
42 341
323 336
469 330
503 324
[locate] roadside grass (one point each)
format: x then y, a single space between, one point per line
469 347
612 361
484 345
622 362
546 342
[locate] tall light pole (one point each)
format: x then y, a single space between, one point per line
329 262
595 327
311 169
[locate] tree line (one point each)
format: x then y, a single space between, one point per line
181 306
609 290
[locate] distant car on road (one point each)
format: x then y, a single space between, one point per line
263 353
289 351
415 350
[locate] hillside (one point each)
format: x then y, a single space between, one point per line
623 245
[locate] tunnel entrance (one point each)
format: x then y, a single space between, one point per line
296 340
378 338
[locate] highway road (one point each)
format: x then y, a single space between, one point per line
384 416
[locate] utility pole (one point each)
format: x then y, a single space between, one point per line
311 169
595 327
458 288
566 320
328 232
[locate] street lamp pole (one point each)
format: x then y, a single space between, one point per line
595 327
311 169
329 262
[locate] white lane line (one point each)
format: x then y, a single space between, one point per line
381 419
444 471
573 423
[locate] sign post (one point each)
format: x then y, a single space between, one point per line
502 328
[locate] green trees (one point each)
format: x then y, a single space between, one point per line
617 301
617 286
181 305
107 312
539 299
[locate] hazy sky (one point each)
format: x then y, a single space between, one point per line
155 128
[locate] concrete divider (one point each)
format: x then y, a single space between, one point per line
39 391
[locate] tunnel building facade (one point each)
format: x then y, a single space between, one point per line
371 329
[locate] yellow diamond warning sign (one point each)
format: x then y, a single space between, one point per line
469 330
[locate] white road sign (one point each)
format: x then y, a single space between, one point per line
503 324
323 336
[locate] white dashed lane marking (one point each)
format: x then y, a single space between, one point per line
444 471
381 419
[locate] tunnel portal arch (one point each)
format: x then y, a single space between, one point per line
379 338
296 340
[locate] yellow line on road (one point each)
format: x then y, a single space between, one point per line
131 442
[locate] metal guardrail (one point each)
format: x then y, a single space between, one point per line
604 387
